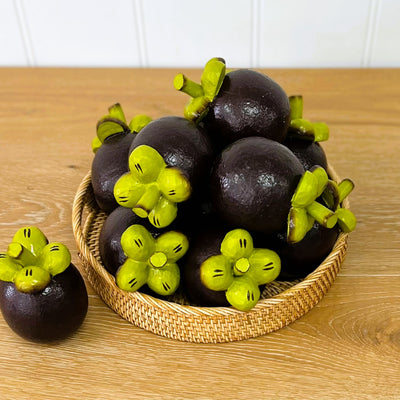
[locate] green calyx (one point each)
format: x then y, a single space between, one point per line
30 261
115 122
302 128
151 188
204 93
333 196
305 209
240 269
151 261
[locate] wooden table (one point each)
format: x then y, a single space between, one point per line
347 347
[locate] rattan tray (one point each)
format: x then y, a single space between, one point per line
281 302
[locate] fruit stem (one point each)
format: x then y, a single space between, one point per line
158 259
323 215
148 201
241 266
21 254
186 85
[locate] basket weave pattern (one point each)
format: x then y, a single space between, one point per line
278 307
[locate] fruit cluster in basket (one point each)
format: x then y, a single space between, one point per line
221 201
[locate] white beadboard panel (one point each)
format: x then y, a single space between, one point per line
188 33
385 47
83 32
11 42
313 33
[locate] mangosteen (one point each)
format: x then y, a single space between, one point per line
239 104
150 261
169 164
204 245
225 269
252 183
308 153
111 253
301 258
181 143
111 147
43 297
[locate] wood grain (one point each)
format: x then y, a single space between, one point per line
348 346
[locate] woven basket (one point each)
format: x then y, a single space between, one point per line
281 303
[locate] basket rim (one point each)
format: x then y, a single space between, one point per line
191 310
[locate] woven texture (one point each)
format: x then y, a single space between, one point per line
281 302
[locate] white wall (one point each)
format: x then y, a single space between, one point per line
175 33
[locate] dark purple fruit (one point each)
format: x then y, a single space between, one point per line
239 104
309 153
300 259
52 314
109 163
181 143
111 253
206 244
248 104
252 184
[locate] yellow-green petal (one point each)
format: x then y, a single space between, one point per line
237 243
55 258
32 238
132 275
137 243
216 272
173 244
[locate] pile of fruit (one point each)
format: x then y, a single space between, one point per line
219 202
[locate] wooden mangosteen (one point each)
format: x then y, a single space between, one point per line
223 268
111 147
169 164
242 103
252 183
43 297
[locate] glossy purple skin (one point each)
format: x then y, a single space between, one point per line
252 184
49 315
204 245
300 259
181 143
248 104
109 164
308 153
111 253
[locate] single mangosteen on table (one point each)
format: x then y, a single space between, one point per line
111 148
241 103
169 163
43 297
223 268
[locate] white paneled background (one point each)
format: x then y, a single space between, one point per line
174 33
